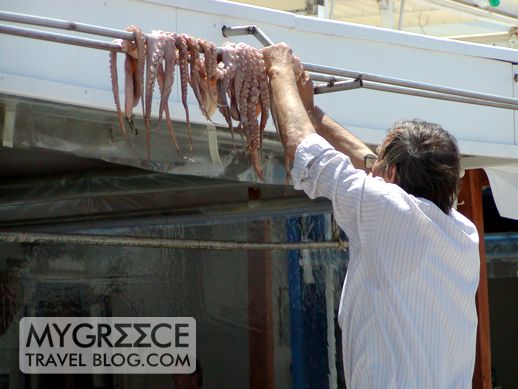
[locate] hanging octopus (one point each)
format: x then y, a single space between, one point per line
231 79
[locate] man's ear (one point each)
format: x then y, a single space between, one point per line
392 174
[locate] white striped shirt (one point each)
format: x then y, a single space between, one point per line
407 310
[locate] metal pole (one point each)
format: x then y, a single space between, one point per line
408 84
338 86
60 38
325 77
434 95
467 96
508 102
65 25
130 241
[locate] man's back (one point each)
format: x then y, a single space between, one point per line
407 310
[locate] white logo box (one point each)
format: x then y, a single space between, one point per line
107 345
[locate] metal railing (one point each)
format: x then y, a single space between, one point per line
336 79
340 79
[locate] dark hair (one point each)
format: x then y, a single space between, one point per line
427 161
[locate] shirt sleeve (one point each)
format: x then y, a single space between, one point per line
321 171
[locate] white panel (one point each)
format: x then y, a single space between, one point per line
378 110
81 76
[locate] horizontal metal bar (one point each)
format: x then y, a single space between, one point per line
235 31
65 25
337 74
338 86
434 95
477 97
325 77
59 38
407 84
130 241
335 86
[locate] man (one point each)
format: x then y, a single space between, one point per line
407 310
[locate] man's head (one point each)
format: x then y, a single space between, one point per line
423 159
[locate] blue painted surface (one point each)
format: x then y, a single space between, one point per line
308 321
314 311
295 294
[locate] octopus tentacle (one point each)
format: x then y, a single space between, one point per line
229 59
130 82
234 111
115 88
223 106
167 73
161 79
244 92
194 66
140 43
197 78
183 62
254 132
155 52
239 79
264 94
211 66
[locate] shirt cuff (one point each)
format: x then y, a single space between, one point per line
310 148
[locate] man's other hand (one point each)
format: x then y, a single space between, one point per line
305 86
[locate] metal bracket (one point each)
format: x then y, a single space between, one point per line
247 30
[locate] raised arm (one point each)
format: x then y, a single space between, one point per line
297 116
339 137
292 119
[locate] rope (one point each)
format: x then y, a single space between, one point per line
130 241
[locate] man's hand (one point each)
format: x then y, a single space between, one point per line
305 86
278 57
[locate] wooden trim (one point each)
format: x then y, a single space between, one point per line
470 204
260 311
